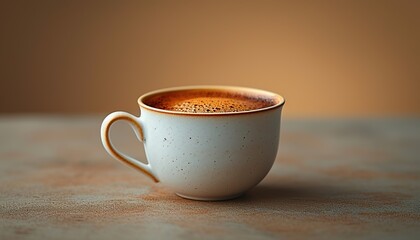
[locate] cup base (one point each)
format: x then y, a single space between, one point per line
209 199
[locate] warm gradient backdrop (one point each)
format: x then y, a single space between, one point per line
328 58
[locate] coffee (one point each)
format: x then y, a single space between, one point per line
208 101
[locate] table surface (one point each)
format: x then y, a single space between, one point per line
332 178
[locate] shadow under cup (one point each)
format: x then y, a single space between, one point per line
200 150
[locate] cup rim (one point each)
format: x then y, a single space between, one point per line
280 99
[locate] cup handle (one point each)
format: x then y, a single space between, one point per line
106 141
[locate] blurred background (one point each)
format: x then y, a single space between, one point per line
328 58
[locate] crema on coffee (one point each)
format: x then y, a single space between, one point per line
208 101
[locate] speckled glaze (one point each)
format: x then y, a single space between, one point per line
204 156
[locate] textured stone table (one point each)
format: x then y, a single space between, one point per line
332 179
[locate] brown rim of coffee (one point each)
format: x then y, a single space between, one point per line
279 100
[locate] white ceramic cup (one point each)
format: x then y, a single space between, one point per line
203 156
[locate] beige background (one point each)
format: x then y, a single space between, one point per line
328 58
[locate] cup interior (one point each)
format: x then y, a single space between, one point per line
225 97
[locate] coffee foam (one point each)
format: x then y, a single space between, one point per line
208 101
